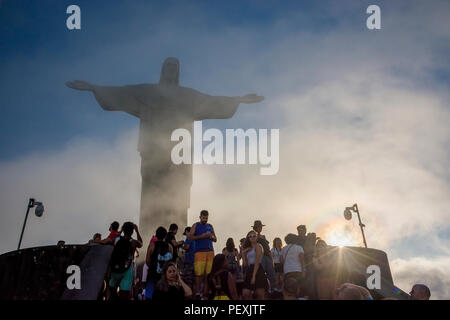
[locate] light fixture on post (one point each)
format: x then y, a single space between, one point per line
38 212
348 216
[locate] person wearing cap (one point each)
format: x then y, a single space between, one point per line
266 261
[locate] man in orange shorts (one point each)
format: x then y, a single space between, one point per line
203 234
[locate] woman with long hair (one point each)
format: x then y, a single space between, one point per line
231 254
233 257
221 284
255 279
241 256
171 286
276 256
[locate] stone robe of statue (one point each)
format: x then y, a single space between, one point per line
162 108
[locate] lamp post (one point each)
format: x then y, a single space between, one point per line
38 212
348 216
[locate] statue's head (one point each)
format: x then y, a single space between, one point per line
170 72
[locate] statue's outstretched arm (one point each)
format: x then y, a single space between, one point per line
218 107
80 85
250 98
110 98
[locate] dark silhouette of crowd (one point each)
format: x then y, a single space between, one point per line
299 269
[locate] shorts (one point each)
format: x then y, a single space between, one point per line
122 280
298 276
203 262
187 274
150 288
260 279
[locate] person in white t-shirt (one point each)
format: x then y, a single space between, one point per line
293 260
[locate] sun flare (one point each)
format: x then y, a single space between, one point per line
339 239
339 233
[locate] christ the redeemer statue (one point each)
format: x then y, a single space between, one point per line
162 108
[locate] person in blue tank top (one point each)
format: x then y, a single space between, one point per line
202 233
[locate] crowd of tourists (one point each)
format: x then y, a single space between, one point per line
300 268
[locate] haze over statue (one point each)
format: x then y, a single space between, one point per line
163 108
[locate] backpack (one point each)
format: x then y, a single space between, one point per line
159 258
122 255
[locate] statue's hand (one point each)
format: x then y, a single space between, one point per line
79 85
251 98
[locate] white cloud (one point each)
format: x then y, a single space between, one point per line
432 272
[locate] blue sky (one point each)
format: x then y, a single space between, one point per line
39 54
363 115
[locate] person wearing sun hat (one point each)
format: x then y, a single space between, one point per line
266 261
